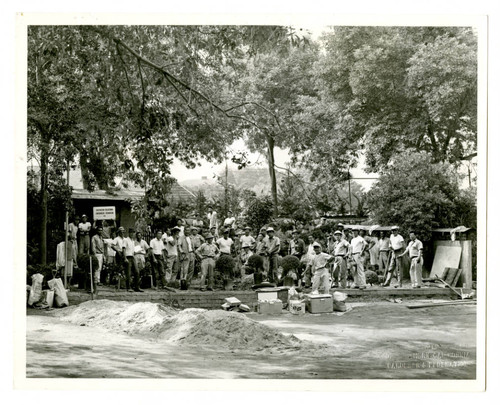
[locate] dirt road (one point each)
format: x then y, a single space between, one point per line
373 341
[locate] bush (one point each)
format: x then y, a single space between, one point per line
256 263
290 263
225 265
371 277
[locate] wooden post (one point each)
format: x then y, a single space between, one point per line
66 227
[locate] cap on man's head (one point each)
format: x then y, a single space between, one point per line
225 230
84 216
270 229
337 233
209 236
247 227
340 224
121 228
176 229
394 228
316 244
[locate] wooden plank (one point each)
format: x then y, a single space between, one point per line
445 256
456 278
439 304
450 274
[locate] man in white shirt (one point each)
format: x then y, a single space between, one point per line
383 251
272 250
225 243
171 253
247 239
128 247
319 268
415 249
98 249
397 247
141 251
212 219
358 246
157 256
118 246
340 250
187 264
84 228
69 255
230 220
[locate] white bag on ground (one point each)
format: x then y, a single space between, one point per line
48 298
36 289
60 298
339 296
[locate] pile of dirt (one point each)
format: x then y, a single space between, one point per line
132 318
222 328
190 326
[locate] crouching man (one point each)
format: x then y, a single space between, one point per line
319 268
207 253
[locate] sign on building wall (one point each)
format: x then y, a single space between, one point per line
104 213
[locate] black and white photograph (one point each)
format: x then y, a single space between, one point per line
277 200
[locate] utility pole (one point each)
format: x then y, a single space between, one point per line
66 227
226 208
349 187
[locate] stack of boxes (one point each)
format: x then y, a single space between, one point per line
268 302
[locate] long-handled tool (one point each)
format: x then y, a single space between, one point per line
459 293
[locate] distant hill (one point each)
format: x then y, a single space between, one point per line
255 179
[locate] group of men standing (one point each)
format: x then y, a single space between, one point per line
176 253
349 251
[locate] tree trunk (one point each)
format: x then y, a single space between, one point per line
44 160
272 172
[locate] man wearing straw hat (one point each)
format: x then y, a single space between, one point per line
207 253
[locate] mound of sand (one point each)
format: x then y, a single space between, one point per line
221 328
190 326
132 318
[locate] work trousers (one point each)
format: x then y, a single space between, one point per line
131 269
192 261
384 260
415 272
265 263
184 267
359 273
273 269
84 244
158 272
170 268
396 264
207 267
321 280
97 272
340 271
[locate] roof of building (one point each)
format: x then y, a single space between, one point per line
121 192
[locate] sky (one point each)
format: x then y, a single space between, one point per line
281 157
